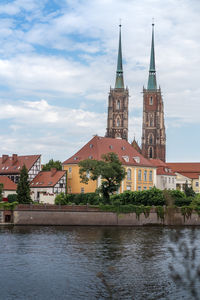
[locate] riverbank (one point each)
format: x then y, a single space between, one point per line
92 216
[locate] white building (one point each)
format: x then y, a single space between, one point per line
166 178
47 184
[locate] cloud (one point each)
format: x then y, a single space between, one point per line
66 53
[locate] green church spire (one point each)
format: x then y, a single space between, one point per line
119 83
152 85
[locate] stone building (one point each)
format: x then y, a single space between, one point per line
117 121
153 128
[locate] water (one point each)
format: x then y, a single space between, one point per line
93 263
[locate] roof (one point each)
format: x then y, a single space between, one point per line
8 184
98 146
162 167
47 178
13 164
190 170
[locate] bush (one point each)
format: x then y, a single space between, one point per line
176 194
12 198
183 201
77 199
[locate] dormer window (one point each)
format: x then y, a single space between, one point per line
137 159
126 158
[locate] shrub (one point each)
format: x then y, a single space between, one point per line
12 198
183 201
176 194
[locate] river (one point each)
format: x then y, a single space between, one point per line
75 263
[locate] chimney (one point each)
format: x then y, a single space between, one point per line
14 158
4 158
53 171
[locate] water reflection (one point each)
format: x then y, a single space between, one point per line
88 263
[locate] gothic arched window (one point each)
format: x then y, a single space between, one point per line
118 104
151 120
129 174
150 138
118 122
150 152
151 100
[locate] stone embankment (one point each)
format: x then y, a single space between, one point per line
85 215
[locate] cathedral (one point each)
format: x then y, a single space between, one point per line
153 128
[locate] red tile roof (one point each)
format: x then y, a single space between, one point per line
190 170
13 164
185 167
162 167
47 178
102 145
8 184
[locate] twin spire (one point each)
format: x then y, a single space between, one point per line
152 85
119 82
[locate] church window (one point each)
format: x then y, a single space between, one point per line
118 104
150 175
118 122
129 174
150 138
151 120
151 100
139 175
145 175
150 152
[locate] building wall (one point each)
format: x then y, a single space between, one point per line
6 193
74 186
166 182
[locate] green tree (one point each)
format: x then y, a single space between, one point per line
109 168
189 192
1 191
52 164
23 187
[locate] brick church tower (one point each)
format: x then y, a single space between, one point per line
117 121
153 129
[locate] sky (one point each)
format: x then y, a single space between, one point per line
58 59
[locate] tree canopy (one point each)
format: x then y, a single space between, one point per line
110 170
23 187
52 164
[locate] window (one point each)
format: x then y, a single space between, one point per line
150 138
145 188
151 100
197 184
91 146
88 174
150 152
172 179
150 175
70 170
169 180
137 159
118 122
145 175
150 187
61 185
139 175
129 174
118 104
82 190
90 157
139 188
128 188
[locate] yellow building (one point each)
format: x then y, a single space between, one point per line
141 173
